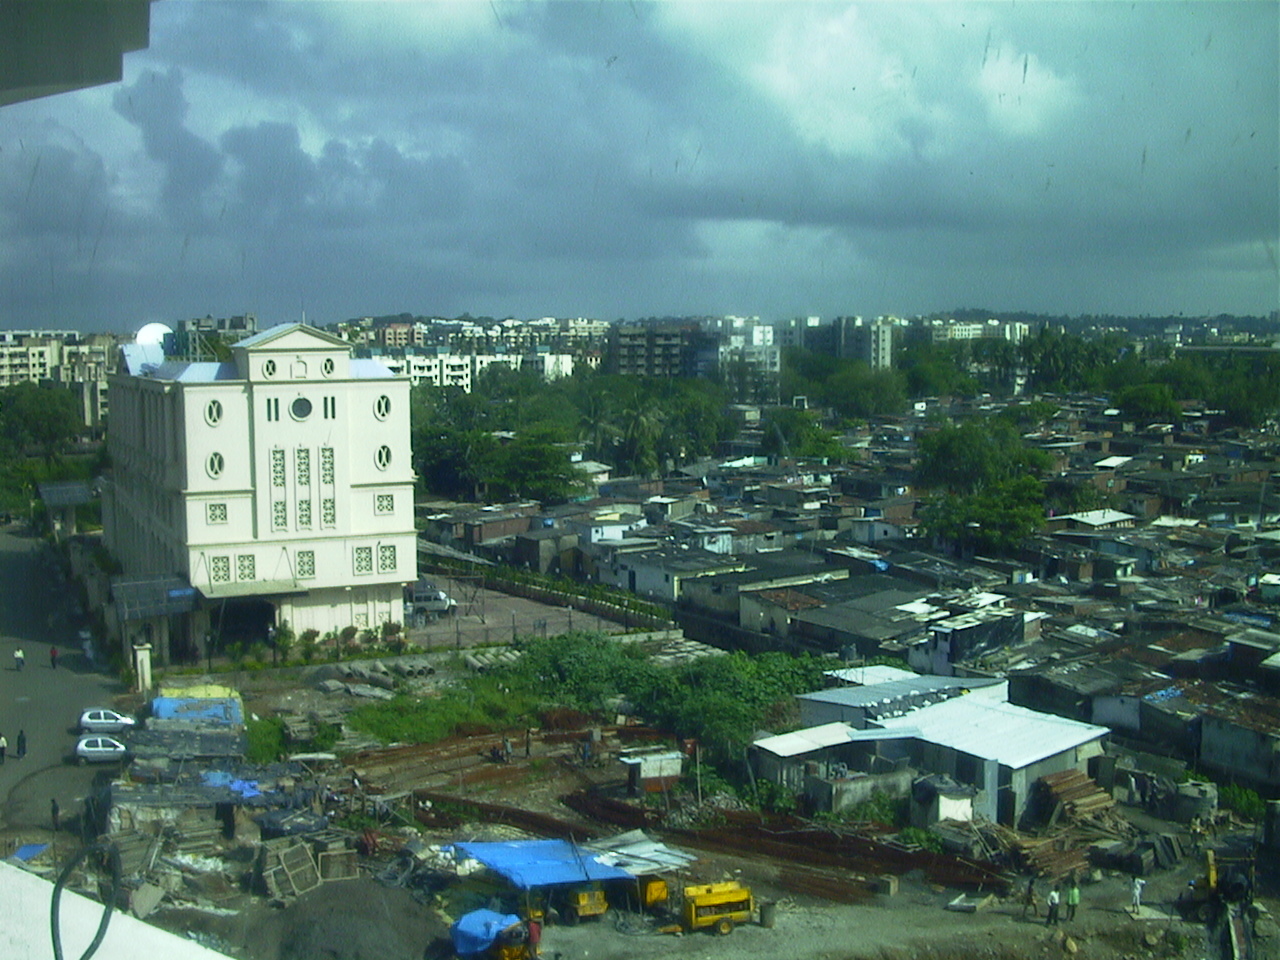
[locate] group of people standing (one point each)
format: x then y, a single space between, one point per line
20 746
1071 892
1054 901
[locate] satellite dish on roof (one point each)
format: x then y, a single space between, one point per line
152 333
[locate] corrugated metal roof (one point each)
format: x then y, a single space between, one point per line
889 690
800 742
807 740
639 855
1011 735
870 676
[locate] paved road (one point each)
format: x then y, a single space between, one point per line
38 610
487 617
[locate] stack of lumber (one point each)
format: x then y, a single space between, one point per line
1078 796
1054 857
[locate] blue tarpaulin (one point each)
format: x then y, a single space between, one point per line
474 932
29 851
540 863
220 711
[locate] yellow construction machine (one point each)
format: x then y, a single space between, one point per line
716 906
1225 880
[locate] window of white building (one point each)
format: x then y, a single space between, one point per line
386 558
306 564
364 560
216 513
220 569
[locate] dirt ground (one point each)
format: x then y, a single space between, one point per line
361 919
365 920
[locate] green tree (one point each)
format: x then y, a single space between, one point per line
40 419
788 431
976 454
990 494
995 519
1149 401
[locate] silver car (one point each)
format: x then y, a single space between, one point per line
102 720
97 748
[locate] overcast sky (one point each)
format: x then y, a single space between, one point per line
619 159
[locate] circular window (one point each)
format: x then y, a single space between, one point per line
382 407
383 457
214 465
327 367
269 368
300 409
213 413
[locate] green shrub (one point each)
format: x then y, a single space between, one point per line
921 838
1247 803
307 645
266 740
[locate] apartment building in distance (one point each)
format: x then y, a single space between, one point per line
274 487
80 362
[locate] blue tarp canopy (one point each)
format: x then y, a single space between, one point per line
540 863
220 711
474 932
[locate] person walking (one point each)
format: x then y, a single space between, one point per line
1073 897
1055 898
54 812
4 747
1138 884
53 658
19 659
1029 901
21 746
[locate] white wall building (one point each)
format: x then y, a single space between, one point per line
282 476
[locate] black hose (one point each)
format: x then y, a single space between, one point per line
113 863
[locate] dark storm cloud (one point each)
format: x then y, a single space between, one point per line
624 159
156 106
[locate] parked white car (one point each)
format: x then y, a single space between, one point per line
96 748
102 720
426 599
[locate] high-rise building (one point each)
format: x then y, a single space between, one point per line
869 341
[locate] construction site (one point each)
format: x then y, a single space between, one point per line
602 836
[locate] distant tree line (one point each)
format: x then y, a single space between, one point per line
513 434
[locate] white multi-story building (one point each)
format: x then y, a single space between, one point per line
280 480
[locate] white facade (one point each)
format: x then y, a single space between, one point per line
283 475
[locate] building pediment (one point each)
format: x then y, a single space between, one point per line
287 337
292 351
